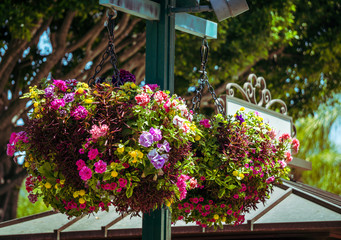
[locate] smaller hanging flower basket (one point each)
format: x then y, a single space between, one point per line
90 147
238 162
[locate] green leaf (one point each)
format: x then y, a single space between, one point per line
221 192
129 192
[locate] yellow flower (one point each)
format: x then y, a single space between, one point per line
133 153
133 85
242 109
85 85
81 200
197 138
27 164
235 173
56 186
48 185
36 110
88 100
114 174
241 175
95 92
168 204
39 116
139 154
113 164
36 104
120 149
260 118
76 194
62 182
80 90
235 115
216 216
244 123
223 219
81 192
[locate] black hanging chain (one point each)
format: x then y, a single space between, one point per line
203 81
109 52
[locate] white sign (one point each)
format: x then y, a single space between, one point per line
279 122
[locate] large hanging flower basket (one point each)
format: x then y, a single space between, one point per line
238 163
90 147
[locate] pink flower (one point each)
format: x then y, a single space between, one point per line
285 136
204 225
270 179
92 154
142 99
13 139
236 196
101 205
243 189
295 144
32 197
80 164
180 217
288 157
81 151
283 164
201 199
79 113
97 132
100 166
82 206
85 173
179 206
92 208
60 84
222 205
160 97
10 150
123 182
187 211
205 123
229 212
207 207
57 103
195 200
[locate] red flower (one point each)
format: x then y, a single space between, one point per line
142 99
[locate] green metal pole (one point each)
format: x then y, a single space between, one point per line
160 47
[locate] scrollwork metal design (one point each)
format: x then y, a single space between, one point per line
253 85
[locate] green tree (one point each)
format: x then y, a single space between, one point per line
314 133
76 35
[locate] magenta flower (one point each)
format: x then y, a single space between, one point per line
285 136
205 123
92 154
153 86
82 206
207 207
79 113
13 139
60 84
288 157
229 212
236 196
81 151
100 166
80 164
156 133
85 173
160 97
10 150
57 103
295 144
92 208
146 139
270 179
122 182
164 146
32 197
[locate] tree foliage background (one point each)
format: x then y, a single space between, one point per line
294 44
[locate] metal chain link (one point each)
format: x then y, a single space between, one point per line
203 80
110 51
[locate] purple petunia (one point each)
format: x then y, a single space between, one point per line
146 139
100 166
157 160
240 118
157 136
49 91
126 76
153 86
69 97
164 146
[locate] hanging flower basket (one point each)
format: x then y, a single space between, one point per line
90 147
238 162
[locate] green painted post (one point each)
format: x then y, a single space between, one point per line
160 48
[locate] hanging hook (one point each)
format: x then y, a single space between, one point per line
110 23
204 54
